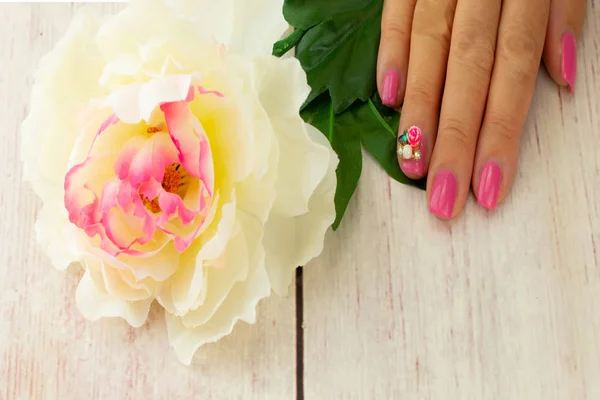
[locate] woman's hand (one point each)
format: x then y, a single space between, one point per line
465 71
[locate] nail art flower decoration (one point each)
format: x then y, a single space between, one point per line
173 164
414 136
409 144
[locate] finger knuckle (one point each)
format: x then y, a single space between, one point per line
433 22
520 41
502 126
440 42
474 48
521 75
421 93
521 48
457 131
393 30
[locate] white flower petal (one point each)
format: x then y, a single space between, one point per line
312 226
159 265
65 81
240 304
178 293
293 241
257 195
247 28
136 102
297 149
218 242
94 302
148 39
116 286
186 289
276 79
232 266
228 123
60 239
254 75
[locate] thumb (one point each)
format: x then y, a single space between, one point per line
560 49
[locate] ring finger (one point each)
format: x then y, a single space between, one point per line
520 43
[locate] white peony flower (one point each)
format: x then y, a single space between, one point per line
167 147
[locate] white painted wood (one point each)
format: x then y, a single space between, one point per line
502 305
47 350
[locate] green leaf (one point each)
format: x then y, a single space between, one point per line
378 127
345 142
305 14
339 49
337 43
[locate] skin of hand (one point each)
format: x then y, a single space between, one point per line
464 72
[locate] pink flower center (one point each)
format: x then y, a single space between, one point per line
159 181
174 181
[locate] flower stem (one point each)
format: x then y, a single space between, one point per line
283 46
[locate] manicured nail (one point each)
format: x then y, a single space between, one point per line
489 185
443 195
415 165
569 59
389 96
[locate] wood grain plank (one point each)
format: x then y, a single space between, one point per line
500 305
47 350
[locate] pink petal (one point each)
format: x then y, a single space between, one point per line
74 200
125 220
190 95
108 122
81 201
171 204
202 90
125 193
119 228
126 155
182 242
150 189
191 141
144 158
111 120
109 195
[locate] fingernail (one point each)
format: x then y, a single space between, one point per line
443 195
569 59
489 185
389 96
415 166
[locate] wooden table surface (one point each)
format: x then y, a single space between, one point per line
502 305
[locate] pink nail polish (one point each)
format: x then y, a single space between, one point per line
414 168
443 195
489 185
389 97
569 59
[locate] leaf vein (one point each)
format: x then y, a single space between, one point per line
380 118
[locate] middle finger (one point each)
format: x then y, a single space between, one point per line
470 65
429 47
